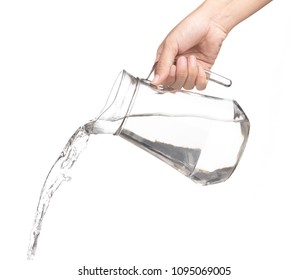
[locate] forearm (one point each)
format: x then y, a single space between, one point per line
228 13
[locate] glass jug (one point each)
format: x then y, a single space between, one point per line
201 136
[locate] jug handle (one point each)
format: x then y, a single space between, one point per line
212 76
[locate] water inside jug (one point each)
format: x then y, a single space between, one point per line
201 136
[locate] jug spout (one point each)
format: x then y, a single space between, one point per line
112 117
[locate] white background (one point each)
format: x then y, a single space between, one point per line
58 61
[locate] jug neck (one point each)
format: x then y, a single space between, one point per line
119 102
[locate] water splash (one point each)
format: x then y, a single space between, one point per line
56 176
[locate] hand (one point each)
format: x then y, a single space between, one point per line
190 47
196 41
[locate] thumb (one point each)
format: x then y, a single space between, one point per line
164 60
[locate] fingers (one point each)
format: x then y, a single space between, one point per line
171 77
193 70
185 73
188 74
181 73
202 79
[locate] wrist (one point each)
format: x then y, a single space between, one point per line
219 12
228 13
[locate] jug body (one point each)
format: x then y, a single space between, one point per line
202 137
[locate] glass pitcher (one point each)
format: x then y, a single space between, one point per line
201 136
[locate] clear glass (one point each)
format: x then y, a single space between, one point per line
201 136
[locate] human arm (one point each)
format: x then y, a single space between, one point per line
194 44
